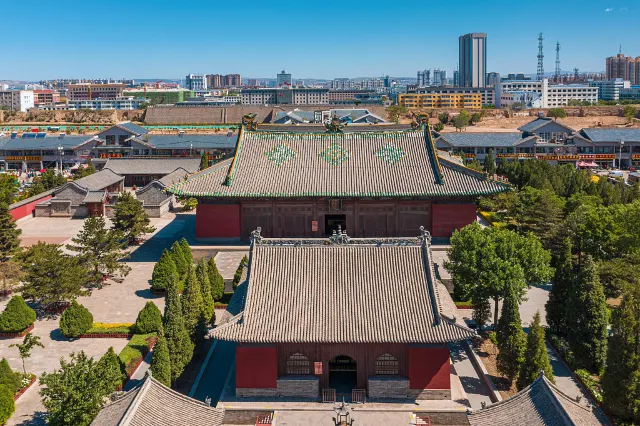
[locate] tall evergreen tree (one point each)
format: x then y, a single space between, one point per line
163 272
179 259
109 371
100 249
9 233
621 378
186 251
511 338
560 294
161 362
178 340
130 218
535 356
192 304
490 163
202 275
588 318
204 161
216 280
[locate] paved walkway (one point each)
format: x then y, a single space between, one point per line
473 385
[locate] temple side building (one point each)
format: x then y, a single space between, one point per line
306 184
352 324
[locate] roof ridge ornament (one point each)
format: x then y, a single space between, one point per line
340 237
335 126
256 238
249 121
419 122
424 237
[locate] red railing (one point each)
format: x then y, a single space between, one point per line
264 419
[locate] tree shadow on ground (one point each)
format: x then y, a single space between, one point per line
38 418
56 336
147 294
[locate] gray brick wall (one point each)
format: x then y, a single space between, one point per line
430 394
299 387
255 392
388 387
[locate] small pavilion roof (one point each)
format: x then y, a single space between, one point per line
342 290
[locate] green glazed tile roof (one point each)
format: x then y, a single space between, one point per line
358 164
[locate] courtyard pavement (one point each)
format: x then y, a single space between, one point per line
115 302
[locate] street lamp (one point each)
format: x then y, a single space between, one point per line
190 150
60 152
620 159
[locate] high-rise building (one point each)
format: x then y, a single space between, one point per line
456 78
284 79
232 80
493 78
214 81
473 59
624 67
196 82
422 78
439 77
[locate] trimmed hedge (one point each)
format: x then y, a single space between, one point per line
108 328
76 320
17 316
7 404
149 319
132 354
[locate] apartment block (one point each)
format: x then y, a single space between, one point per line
287 96
487 94
45 97
89 91
17 100
440 100
624 67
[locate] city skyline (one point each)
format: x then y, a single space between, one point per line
372 42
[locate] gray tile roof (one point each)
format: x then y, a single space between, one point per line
49 142
95 196
488 140
133 128
381 164
320 128
154 404
187 141
535 124
150 166
540 404
611 135
98 180
343 294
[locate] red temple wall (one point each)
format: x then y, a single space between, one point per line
256 366
429 368
218 221
27 209
447 218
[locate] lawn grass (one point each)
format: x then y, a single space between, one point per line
226 297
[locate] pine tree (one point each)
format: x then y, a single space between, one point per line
621 378
8 377
192 305
202 275
130 218
161 362
109 371
536 358
179 259
100 249
149 319
588 318
178 340
511 338
216 280
560 294
163 271
490 164
9 233
186 251
204 161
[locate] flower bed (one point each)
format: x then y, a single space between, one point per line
101 330
18 334
219 305
135 351
463 305
30 379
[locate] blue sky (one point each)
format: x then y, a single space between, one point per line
327 39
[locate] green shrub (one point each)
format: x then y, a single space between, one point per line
135 350
7 405
123 329
17 316
161 362
76 320
592 383
8 377
149 319
215 280
493 338
186 251
110 371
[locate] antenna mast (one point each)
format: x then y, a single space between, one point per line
540 59
557 62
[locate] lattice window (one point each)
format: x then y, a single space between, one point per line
297 365
387 365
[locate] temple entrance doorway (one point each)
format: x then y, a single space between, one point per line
343 374
334 221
